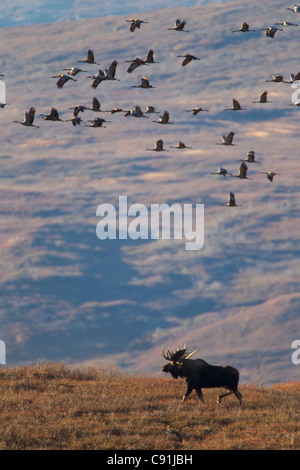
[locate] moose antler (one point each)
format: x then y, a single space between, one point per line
178 354
174 356
191 353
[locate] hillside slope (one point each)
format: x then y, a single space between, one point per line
67 296
52 407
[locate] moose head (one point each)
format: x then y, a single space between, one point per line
174 367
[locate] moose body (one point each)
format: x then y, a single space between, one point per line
199 374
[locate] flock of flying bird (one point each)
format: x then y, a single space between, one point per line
109 75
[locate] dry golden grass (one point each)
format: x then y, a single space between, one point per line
54 407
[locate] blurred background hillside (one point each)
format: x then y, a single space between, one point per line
66 295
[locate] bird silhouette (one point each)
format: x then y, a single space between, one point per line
135 23
270 175
108 74
294 78
164 119
95 105
242 173
74 71
150 109
286 24
277 79
231 200
221 171
180 145
52 116
28 118
195 110
144 84
135 63
235 106
294 9
263 98
250 157
97 122
137 112
150 57
187 58
90 59
227 139
78 109
271 30
62 79
114 110
159 146
243 29
179 26
75 120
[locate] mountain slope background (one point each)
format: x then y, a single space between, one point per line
20 12
66 295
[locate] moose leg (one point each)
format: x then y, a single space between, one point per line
224 395
188 392
200 395
238 395
235 391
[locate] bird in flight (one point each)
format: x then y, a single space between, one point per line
74 71
62 79
90 59
137 112
159 146
135 23
179 25
28 118
286 24
235 106
195 110
271 30
52 116
187 58
221 171
180 145
164 119
263 98
231 200
250 157
243 29
108 74
227 139
98 122
270 175
277 79
135 63
294 9
242 173
144 84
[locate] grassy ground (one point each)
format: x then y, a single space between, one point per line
55 407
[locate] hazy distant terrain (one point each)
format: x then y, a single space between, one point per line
21 12
68 296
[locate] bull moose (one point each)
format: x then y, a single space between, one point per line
199 374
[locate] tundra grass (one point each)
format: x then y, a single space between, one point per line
55 407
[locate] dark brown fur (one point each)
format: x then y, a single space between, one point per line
199 374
